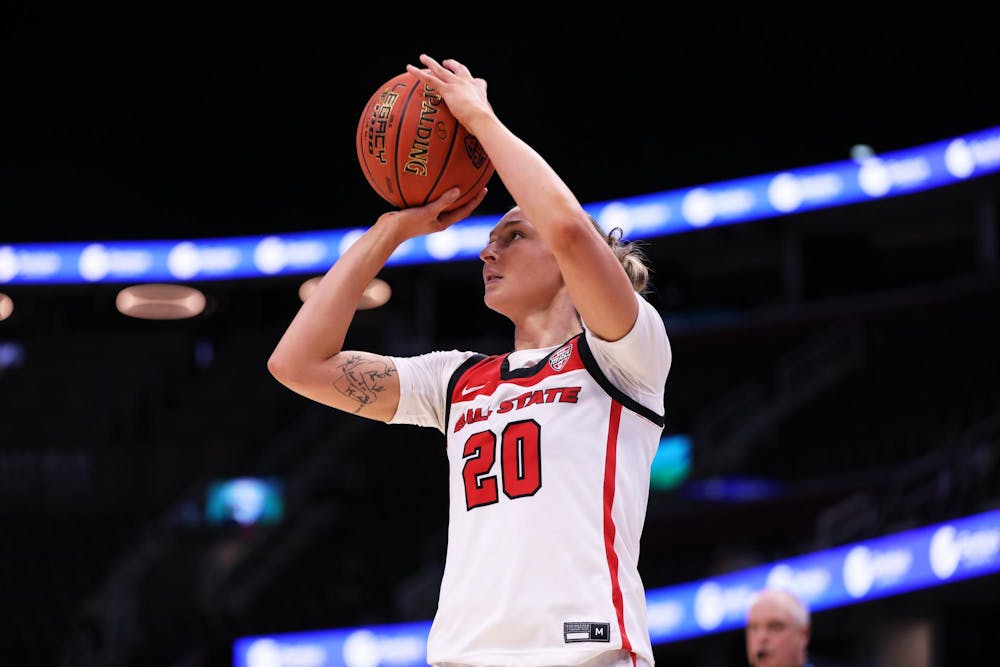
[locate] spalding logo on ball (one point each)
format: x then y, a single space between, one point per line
412 149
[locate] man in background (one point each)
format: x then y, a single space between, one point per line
777 630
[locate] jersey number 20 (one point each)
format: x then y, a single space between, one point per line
520 463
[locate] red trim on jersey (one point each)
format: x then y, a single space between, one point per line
484 376
609 522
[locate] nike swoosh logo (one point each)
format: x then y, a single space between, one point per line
470 390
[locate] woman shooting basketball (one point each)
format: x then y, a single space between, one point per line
550 445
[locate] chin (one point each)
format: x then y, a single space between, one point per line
494 304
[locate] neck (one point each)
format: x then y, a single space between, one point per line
546 329
547 340
538 325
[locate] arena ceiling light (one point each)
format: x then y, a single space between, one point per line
6 306
376 294
160 301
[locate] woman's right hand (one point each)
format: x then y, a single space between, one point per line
432 217
310 359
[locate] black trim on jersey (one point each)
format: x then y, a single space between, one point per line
527 371
590 363
453 380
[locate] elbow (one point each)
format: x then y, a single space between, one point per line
571 229
279 368
273 365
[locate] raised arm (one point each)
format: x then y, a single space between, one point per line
309 358
597 283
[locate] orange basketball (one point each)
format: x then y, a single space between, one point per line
412 149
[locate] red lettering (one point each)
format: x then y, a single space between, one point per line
521 399
570 395
553 395
536 397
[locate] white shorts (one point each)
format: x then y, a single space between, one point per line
607 659
615 659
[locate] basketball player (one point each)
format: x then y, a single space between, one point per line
777 631
550 445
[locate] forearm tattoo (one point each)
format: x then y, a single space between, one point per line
362 380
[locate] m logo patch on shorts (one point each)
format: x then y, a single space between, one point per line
583 631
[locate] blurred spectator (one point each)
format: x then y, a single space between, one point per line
777 630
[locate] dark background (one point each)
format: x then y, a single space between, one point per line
143 123
174 123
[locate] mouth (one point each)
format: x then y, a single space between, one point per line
489 277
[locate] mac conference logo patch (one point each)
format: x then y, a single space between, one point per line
560 357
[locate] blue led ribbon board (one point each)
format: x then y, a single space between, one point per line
902 172
889 565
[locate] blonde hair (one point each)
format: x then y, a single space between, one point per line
631 256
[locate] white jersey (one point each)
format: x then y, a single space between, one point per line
548 485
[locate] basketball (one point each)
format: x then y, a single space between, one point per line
412 149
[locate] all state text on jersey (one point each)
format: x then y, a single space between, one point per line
553 395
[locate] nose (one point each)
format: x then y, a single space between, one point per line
489 253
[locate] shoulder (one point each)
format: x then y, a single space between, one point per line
432 367
648 332
641 359
423 385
